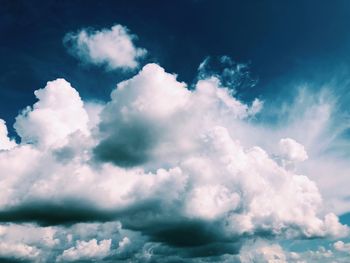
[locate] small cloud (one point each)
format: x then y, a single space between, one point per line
112 48
292 151
341 246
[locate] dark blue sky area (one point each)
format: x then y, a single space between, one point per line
284 41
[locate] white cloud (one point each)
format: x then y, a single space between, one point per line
29 235
123 245
58 113
112 48
211 201
83 241
162 159
292 151
5 142
341 246
262 252
86 250
18 251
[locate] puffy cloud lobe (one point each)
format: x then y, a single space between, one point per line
211 201
123 244
113 48
341 246
270 199
86 250
84 242
25 242
5 142
262 252
58 113
138 116
163 160
292 151
18 251
147 115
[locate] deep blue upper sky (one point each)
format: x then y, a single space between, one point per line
284 42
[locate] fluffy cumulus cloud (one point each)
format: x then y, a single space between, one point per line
58 113
159 171
113 48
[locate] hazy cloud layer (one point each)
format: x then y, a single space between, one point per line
161 170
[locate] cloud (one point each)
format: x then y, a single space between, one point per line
58 113
290 153
262 252
5 142
149 112
112 48
84 242
140 112
86 250
18 251
315 120
341 246
158 170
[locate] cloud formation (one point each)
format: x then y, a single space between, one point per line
58 113
158 170
112 48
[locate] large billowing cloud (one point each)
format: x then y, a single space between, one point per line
112 48
160 169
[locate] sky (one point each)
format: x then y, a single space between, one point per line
174 131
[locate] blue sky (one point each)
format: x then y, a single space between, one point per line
284 42
155 120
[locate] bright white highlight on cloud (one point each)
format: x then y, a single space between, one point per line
260 252
86 250
112 48
292 151
58 113
5 142
18 251
162 160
